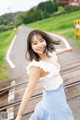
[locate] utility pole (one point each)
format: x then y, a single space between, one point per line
41 14
51 0
9 9
11 16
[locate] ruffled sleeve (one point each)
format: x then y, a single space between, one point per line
39 64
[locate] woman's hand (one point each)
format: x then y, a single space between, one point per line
18 118
69 49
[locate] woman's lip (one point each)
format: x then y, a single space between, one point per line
41 48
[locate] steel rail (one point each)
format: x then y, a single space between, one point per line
37 96
62 70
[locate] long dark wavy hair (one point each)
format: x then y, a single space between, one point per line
30 54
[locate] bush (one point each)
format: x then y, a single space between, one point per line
60 9
75 7
46 15
69 8
5 28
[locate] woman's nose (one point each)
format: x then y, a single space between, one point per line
39 44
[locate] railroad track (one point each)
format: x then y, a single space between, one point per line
71 75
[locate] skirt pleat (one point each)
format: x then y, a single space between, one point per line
53 106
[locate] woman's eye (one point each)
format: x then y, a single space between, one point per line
42 40
34 43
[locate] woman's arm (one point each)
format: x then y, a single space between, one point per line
34 76
60 51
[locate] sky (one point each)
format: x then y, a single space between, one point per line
7 6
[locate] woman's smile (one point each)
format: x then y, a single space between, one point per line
41 49
38 44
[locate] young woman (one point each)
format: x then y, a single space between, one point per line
45 68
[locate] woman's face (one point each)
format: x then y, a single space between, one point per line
38 44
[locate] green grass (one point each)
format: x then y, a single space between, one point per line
61 24
72 35
5 40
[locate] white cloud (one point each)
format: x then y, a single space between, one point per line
17 5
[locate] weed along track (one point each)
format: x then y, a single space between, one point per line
70 73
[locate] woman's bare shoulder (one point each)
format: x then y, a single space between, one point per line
35 70
34 73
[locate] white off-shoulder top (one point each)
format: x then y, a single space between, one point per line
51 81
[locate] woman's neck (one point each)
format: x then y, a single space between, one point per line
43 56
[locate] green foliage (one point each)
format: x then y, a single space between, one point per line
60 9
41 11
62 24
64 21
41 6
55 7
50 7
75 8
6 28
5 40
20 18
34 15
71 34
69 8
46 15
7 18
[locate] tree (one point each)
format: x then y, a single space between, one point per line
51 7
41 6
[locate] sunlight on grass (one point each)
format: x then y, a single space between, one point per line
61 24
5 40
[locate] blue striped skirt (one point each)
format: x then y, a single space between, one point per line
53 106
